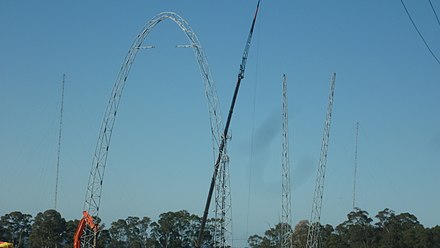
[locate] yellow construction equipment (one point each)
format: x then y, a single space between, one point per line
6 245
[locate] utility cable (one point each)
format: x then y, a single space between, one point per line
435 13
253 130
418 31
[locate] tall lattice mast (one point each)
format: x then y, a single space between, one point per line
286 219
355 165
59 141
223 207
223 200
313 234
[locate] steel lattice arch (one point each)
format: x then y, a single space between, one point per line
94 187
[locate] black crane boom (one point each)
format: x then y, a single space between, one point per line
225 132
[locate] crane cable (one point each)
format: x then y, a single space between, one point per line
253 129
418 31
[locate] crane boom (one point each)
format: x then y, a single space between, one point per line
225 132
313 233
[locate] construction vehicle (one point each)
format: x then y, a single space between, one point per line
86 220
6 245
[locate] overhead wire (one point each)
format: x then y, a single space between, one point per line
253 126
418 31
435 12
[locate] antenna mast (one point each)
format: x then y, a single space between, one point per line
313 234
355 165
286 220
59 141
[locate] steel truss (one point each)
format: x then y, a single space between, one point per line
315 225
94 187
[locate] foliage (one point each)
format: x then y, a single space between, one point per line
15 228
299 236
271 239
180 230
71 226
176 229
131 232
48 230
358 231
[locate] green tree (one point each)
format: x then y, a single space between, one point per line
71 227
144 231
299 236
256 241
271 239
48 230
178 229
118 234
412 232
433 237
385 230
104 238
400 231
131 232
15 227
326 236
357 231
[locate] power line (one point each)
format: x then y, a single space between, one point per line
435 13
418 31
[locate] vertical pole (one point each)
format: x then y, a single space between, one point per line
59 142
286 220
355 165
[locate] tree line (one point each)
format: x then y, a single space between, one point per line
50 230
180 230
391 230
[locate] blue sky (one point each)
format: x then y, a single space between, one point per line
160 157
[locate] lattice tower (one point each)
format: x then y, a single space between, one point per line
355 165
286 218
314 228
59 141
223 206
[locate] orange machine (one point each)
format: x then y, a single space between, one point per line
86 220
6 245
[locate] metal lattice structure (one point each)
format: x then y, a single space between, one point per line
59 141
222 146
314 228
286 218
355 165
94 187
223 206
